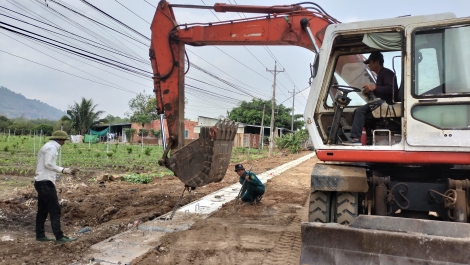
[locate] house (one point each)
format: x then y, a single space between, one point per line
247 135
189 134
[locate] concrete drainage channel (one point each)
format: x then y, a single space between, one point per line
124 247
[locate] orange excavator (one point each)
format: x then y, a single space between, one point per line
401 196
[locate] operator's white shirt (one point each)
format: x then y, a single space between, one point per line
47 168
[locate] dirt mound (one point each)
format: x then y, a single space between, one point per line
107 209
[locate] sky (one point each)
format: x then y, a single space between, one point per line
60 79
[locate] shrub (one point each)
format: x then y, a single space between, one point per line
144 131
292 141
129 132
46 129
137 178
147 151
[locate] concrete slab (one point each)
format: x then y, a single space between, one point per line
124 247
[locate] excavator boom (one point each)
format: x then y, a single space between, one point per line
283 25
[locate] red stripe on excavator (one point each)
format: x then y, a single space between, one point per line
398 157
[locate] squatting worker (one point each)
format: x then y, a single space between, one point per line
253 188
48 203
386 89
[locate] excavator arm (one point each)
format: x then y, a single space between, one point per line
206 159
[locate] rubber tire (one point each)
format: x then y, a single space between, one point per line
346 209
320 206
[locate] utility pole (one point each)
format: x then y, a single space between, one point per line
261 132
273 103
293 100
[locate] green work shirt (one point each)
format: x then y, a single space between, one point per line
254 180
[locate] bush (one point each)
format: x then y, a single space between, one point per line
292 141
137 178
147 151
129 150
129 132
46 129
145 132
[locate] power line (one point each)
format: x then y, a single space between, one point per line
63 71
73 51
111 17
97 22
50 31
118 40
132 11
116 86
49 10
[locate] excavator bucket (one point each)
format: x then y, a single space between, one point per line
206 159
386 240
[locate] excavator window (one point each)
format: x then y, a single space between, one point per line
440 69
351 71
440 60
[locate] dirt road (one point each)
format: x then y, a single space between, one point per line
114 207
267 233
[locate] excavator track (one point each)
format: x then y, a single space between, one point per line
206 159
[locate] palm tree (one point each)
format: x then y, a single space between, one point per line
83 115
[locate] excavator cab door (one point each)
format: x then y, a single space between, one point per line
438 98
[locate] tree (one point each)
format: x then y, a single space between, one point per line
142 104
252 112
116 119
4 123
46 129
292 141
66 126
83 115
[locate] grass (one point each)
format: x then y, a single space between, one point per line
18 156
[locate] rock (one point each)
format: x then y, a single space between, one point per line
84 230
115 178
102 178
7 238
110 210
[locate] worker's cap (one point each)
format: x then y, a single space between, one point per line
375 56
238 167
59 135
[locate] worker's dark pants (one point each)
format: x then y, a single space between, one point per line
359 120
48 203
252 192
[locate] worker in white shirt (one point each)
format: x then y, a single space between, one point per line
46 174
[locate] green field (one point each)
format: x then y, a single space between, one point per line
18 156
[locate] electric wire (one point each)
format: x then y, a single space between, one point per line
97 22
66 31
63 71
25 9
111 17
119 28
115 85
116 42
132 11
58 46
93 45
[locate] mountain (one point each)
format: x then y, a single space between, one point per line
15 105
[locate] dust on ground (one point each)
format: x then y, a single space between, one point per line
114 207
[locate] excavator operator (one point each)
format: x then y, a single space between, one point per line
384 90
252 188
